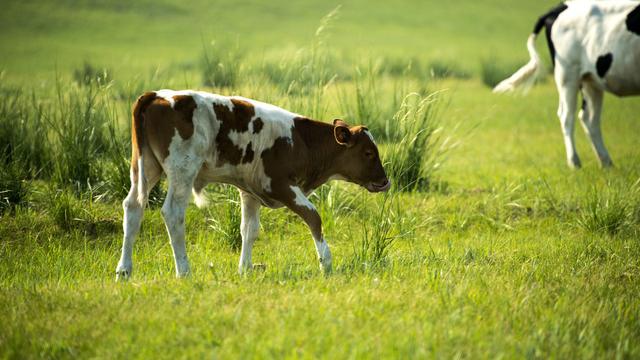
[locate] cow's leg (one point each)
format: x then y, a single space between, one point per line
299 204
133 213
249 228
568 92
173 211
590 118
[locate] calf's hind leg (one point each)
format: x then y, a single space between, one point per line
133 214
173 212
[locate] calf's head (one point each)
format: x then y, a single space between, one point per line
360 161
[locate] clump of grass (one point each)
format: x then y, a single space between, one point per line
226 222
14 189
373 248
413 67
23 136
113 167
221 64
64 209
368 109
439 69
333 202
305 77
73 212
604 214
492 71
89 74
381 228
80 123
301 74
417 156
401 67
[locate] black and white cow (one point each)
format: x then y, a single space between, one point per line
595 47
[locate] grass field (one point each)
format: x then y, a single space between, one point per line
498 251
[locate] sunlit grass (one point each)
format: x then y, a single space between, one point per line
494 248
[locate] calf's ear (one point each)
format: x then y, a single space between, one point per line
339 122
342 135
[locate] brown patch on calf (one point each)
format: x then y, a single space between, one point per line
185 105
137 123
295 161
314 154
248 154
162 121
237 119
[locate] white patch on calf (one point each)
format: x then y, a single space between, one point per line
370 136
301 199
200 199
324 254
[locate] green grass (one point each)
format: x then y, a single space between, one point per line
507 252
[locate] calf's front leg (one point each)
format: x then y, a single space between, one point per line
305 209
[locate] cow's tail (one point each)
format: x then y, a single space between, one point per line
526 75
138 143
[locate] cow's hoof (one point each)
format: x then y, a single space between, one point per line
182 269
325 267
259 267
244 270
123 274
606 163
575 163
183 274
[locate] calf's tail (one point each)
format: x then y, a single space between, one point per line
138 143
526 75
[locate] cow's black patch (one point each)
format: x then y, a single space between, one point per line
633 20
548 18
603 64
547 21
257 125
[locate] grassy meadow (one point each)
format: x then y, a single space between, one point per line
487 246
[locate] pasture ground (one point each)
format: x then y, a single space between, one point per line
507 253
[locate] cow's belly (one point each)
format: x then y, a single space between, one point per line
249 178
623 76
623 87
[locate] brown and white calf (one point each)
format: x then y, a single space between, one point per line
274 157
